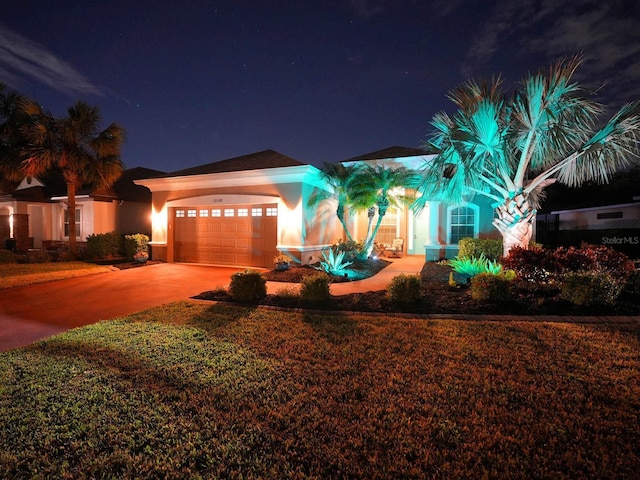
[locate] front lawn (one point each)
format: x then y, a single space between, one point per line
195 390
20 274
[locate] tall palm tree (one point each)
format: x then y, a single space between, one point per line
381 187
509 150
77 147
12 141
339 178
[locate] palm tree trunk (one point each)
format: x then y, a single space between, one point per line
340 215
382 211
515 222
71 206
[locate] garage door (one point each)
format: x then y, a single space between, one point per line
226 235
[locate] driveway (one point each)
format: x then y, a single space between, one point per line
38 311
31 313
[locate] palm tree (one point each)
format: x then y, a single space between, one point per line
12 142
510 150
77 147
380 187
339 178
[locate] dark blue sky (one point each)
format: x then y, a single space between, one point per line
194 82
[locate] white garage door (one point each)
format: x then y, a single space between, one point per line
226 235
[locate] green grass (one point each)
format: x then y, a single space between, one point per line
21 274
195 390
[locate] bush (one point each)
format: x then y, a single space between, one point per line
590 288
315 288
543 264
7 256
104 245
486 287
247 286
404 289
632 287
491 248
134 244
350 248
37 256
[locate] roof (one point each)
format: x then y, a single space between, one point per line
391 152
53 185
252 161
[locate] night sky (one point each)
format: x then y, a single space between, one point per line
194 82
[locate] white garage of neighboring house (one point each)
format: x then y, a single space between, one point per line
244 210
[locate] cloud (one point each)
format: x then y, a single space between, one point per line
365 8
21 59
606 33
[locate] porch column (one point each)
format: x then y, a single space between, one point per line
433 246
5 228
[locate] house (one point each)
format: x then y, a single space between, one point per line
597 214
35 212
243 210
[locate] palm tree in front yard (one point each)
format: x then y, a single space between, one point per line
509 150
338 178
380 187
77 147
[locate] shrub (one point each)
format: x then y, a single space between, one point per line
590 288
104 245
632 286
248 286
37 256
543 264
7 256
350 248
491 248
136 243
334 263
404 289
315 288
473 266
486 287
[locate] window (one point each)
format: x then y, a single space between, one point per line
256 212
216 212
229 212
191 213
243 212
463 222
180 213
77 223
204 213
272 211
388 226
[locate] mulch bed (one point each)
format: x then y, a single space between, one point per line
439 297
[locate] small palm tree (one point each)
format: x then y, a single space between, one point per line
380 187
77 147
509 150
339 178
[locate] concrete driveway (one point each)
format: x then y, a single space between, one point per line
31 313
38 311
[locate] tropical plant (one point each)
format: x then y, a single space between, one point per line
12 141
380 187
509 150
334 262
76 146
338 178
472 266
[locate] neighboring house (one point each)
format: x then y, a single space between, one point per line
606 214
35 212
243 210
